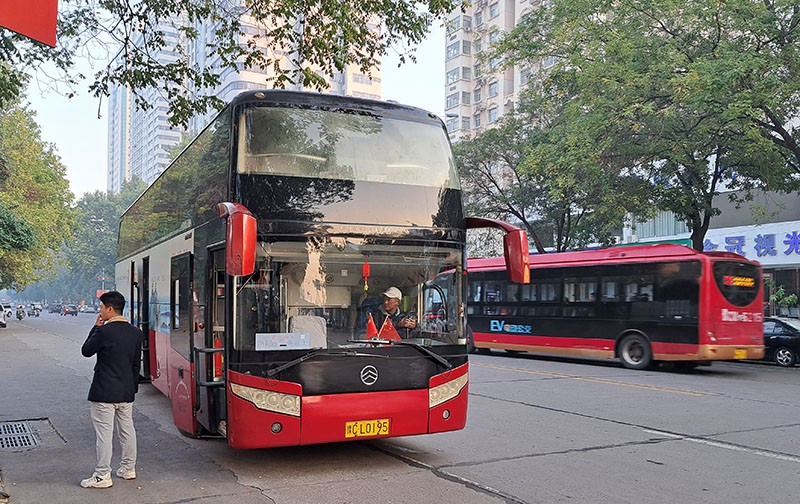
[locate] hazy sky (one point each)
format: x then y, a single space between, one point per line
81 137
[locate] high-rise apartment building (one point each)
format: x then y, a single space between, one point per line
118 148
140 140
477 92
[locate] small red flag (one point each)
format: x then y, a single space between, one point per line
388 332
372 330
34 19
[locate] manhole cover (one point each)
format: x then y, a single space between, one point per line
17 436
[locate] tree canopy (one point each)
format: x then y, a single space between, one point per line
35 214
692 97
91 255
319 38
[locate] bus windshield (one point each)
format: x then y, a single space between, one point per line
346 146
306 295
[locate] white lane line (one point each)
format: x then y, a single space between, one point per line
728 446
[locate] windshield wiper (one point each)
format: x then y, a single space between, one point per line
292 363
427 351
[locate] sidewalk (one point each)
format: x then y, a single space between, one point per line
45 380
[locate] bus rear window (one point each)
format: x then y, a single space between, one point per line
738 282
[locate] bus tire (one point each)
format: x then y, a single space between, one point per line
635 352
785 357
470 341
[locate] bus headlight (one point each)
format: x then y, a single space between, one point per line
269 401
446 391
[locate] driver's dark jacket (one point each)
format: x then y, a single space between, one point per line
118 346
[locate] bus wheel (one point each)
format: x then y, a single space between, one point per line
470 341
785 357
635 352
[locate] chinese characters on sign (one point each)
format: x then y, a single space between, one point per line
763 245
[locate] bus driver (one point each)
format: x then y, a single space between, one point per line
390 308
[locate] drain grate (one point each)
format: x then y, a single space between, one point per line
17 436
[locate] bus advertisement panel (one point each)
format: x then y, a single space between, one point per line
257 265
640 304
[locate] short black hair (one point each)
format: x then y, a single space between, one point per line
115 300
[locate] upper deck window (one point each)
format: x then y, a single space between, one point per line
347 146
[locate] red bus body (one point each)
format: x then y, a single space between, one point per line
695 322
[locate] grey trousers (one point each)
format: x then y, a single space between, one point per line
103 417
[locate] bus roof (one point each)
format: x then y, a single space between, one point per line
325 101
637 253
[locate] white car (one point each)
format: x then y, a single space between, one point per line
2 318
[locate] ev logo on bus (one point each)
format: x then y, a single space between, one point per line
501 326
369 375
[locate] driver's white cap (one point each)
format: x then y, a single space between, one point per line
393 292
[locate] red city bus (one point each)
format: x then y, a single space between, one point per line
640 304
253 262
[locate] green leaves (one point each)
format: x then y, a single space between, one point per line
35 217
289 40
693 97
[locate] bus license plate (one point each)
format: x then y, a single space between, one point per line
740 353
366 428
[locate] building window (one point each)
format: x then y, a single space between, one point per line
465 96
452 51
467 22
494 36
476 120
464 122
494 64
452 75
466 73
476 95
478 18
466 47
477 45
478 69
452 124
492 114
524 76
452 100
494 11
454 25
493 88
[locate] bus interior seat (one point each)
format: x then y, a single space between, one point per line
314 325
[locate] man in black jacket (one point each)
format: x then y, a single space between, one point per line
118 346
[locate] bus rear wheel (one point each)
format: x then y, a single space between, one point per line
635 352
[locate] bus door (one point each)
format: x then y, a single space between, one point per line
142 314
181 385
208 362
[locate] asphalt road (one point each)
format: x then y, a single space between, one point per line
540 430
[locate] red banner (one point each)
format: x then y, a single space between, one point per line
35 19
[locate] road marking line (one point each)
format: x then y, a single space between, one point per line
728 446
606 381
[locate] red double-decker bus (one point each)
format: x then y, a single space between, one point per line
639 304
254 260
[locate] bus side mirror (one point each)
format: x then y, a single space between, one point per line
515 250
240 243
515 247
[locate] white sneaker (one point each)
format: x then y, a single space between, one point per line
127 474
97 481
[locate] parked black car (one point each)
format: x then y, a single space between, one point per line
782 340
